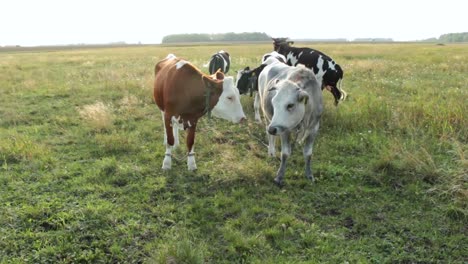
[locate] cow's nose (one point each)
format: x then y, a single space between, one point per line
272 130
242 120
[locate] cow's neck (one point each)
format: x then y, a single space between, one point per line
208 97
211 97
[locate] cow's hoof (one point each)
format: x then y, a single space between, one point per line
271 153
311 178
191 163
167 163
279 183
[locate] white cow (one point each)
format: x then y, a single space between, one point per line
291 101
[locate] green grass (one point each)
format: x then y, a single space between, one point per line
81 154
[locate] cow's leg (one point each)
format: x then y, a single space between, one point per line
190 148
165 134
285 153
175 131
271 144
257 108
308 148
169 142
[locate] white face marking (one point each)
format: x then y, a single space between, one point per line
180 64
292 58
229 106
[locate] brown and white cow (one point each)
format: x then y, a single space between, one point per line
184 94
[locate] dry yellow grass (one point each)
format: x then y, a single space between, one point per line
29 84
129 101
98 116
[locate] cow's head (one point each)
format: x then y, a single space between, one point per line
279 44
243 80
289 105
289 102
228 106
332 82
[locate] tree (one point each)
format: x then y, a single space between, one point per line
230 37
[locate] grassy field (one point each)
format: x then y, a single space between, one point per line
81 154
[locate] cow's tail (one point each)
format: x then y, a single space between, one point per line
343 93
339 84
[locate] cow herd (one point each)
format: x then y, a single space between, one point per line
287 87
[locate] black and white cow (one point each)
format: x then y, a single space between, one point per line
247 79
274 54
291 102
326 69
220 60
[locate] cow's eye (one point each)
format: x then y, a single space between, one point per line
230 98
289 107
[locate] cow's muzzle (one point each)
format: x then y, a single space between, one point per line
275 130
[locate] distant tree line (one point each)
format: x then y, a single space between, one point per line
246 36
450 37
454 37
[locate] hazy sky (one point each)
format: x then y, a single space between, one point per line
49 22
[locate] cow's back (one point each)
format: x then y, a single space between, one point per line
174 85
163 77
220 60
270 72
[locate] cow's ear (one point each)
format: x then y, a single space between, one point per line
303 97
247 68
219 75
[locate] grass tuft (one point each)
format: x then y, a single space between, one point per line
180 250
98 116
